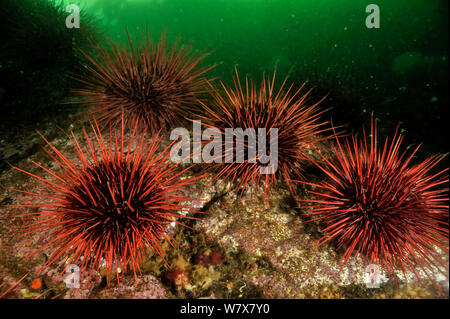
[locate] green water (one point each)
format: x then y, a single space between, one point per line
399 71
298 34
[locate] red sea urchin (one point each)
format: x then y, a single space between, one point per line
378 205
251 107
108 205
146 82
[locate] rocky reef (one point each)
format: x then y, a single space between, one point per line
244 246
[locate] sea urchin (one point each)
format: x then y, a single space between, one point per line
297 123
110 203
146 82
376 204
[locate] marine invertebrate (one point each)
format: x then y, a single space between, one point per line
36 284
252 107
375 203
115 198
146 82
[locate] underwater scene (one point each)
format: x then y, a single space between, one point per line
224 149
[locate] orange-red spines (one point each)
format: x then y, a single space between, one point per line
110 203
3 294
247 105
375 203
147 81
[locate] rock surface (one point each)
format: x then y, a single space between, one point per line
242 247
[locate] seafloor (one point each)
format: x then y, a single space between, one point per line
243 247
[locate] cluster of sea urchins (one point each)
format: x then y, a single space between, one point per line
121 196
116 198
376 204
147 82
